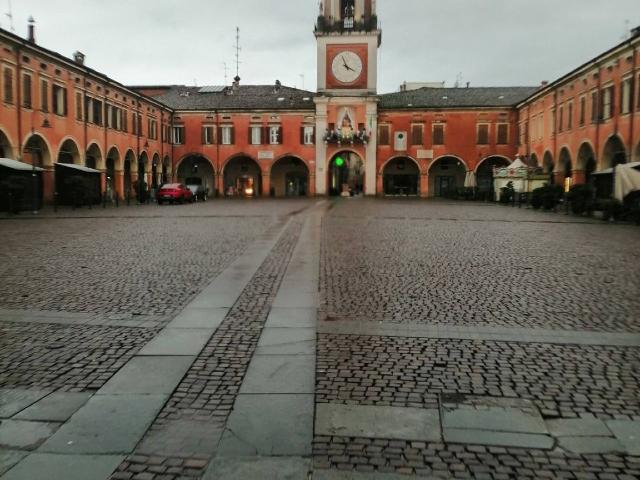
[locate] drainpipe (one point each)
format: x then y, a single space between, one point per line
598 113
173 150
632 100
555 131
19 102
220 173
85 116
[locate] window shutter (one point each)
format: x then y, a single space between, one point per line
265 136
313 136
220 134
302 135
233 135
250 137
383 134
416 134
280 136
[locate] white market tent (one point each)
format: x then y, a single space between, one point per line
627 180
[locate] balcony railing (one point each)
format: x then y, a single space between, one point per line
365 24
340 138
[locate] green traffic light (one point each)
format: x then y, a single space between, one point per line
339 161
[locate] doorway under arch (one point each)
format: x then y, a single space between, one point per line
548 166
155 172
166 170
112 163
38 150
242 177
565 168
197 170
6 151
586 161
69 153
484 175
346 174
533 161
615 153
94 157
127 180
401 176
289 177
446 176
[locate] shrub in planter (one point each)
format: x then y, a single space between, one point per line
580 197
551 195
507 193
611 209
536 198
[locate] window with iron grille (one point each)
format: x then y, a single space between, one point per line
207 135
8 85
26 90
503 134
483 134
438 134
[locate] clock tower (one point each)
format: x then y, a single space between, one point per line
348 39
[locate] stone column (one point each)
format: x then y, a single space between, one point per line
321 148
424 185
579 177
266 184
371 166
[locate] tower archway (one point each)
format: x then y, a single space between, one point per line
346 173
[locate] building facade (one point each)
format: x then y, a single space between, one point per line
272 140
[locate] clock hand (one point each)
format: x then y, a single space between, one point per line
344 62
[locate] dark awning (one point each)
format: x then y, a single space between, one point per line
78 167
16 165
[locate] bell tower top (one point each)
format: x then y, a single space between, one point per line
344 16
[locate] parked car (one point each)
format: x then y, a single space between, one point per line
174 193
199 191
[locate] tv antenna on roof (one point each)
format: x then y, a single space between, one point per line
226 73
238 49
9 15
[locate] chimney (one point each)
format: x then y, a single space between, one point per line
635 32
544 83
78 57
468 84
278 86
235 86
31 37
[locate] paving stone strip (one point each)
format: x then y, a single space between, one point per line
185 434
517 335
113 421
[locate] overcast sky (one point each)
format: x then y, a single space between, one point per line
485 42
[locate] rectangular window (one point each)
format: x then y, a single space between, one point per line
570 116
227 135
134 123
625 97
308 135
79 112
140 125
583 109
110 122
275 135
438 134
383 134
595 106
553 121
561 119
44 95
255 135
207 135
503 134
417 137
178 135
27 88
607 102
124 120
152 131
59 100
96 111
483 134
8 85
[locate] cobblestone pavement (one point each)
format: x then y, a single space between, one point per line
407 263
400 262
202 402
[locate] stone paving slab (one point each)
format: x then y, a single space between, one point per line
217 299
499 439
342 475
39 466
505 334
292 318
8 458
280 374
148 375
56 407
199 318
287 341
587 445
178 341
269 468
181 437
578 427
269 425
296 299
106 424
25 435
494 418
14 400
628 433
370 421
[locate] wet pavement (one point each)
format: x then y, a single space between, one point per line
318 339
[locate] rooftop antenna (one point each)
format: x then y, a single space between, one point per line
238 52
627 30
226 73
458 80
9 15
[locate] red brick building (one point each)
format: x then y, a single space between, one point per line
58 114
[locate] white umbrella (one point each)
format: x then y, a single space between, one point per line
470 180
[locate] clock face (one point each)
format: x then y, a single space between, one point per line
347 66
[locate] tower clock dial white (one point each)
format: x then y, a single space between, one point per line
347 67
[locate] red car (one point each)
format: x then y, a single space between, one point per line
174 193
